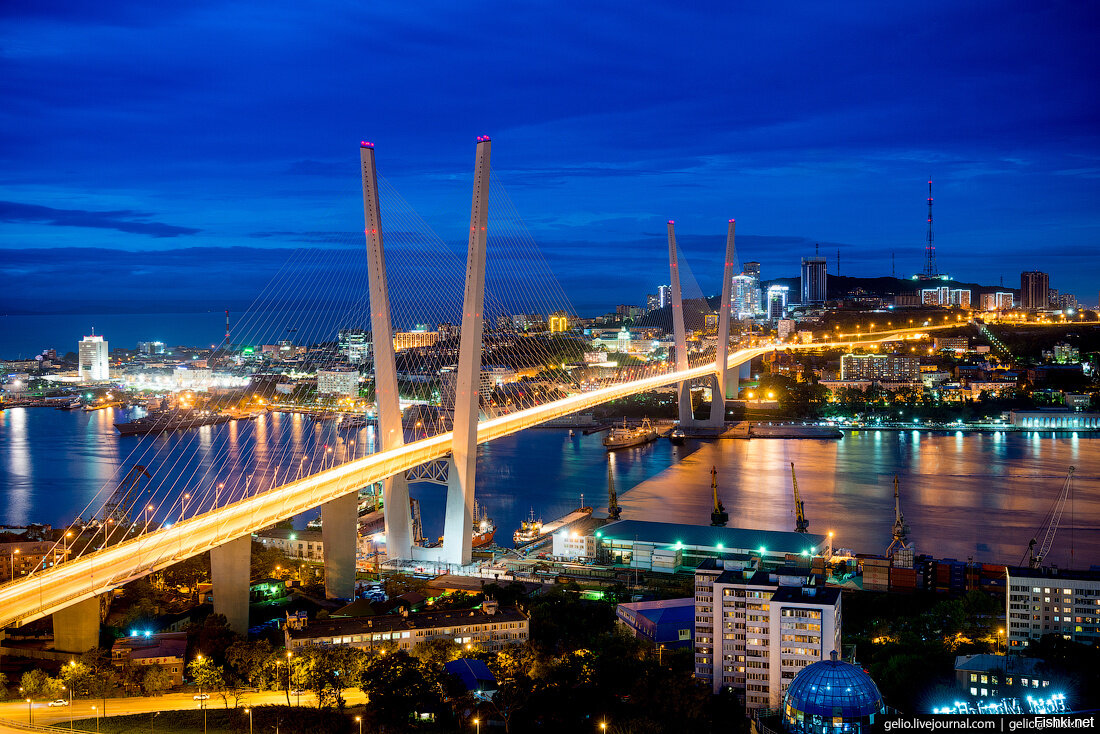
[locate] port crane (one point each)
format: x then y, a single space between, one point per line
1050 525
614 512
901 528
801 524
117 508
719 517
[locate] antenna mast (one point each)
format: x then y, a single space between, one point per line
930 248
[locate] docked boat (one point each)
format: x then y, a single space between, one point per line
677 437
352 422
72 405
529 531
484 527
621 437
175 420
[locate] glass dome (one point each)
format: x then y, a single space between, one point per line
831 696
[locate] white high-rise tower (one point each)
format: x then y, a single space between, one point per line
92 353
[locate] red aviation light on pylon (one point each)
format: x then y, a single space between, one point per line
732 221
483 138
365 144
671 222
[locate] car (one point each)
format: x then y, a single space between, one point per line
58 702
200 697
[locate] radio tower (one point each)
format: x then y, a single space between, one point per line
930 248
227 328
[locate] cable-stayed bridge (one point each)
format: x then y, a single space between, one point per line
70 590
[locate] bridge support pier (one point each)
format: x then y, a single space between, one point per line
340 535
679 332
76 627
720 383
230 566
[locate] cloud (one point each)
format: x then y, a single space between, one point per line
123 220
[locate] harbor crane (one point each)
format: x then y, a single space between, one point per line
117 508
901 528
719 517
1050 525
614 512
801 524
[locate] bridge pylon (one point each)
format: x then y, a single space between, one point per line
724 384
459 519
679 332
395 489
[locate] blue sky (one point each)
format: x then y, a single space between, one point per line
180 150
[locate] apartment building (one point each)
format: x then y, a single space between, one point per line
754 630
1042 601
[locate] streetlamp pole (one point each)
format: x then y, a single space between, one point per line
359 721
13 563
249 712
30 713
96 709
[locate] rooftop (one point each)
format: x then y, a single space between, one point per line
664 611
398 622
1054 574
311 536
708 536
986 663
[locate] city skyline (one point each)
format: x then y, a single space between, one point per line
191 143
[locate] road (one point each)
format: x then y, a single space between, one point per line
16 711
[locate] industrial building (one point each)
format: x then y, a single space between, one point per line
667 547
755 630
1043 601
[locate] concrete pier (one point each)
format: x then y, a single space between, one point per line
76 628
339 532
230 566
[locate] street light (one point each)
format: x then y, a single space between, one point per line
148 509
30 713
359 721
477 723
13 563
96 709
249 712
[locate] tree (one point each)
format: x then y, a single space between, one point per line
433 654
34 683
249 659
156 680
396 584
211 638
329 671
206 674
3 686
397 685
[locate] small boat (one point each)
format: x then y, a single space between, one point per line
171 421
529 530
484 527
352 422
73 405
572 433
624 437
677 437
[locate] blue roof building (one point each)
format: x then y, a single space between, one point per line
829 696
666 623
475 675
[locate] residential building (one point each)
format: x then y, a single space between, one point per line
813 280
92 359
1066 353
303 544
956 343
752 269
784 329
150 347
755 630
1000 676
938 296
664 296
882 367
166 649
1034 290
25 557
338 382
999 301
959 298
1067 302
1042 601
665 623
745 296
488 628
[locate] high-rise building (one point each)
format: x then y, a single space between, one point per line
92 354
745 296
777 302
651 302
754 630
355 345
938 296
1041 601
813 280
999 301
752 269
338 382
664 296
784 329
150 347
959 297
1034 290
1067 301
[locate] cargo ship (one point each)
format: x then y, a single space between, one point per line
164 422
533 531
622 437
484 527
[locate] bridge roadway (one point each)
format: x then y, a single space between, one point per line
90 575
